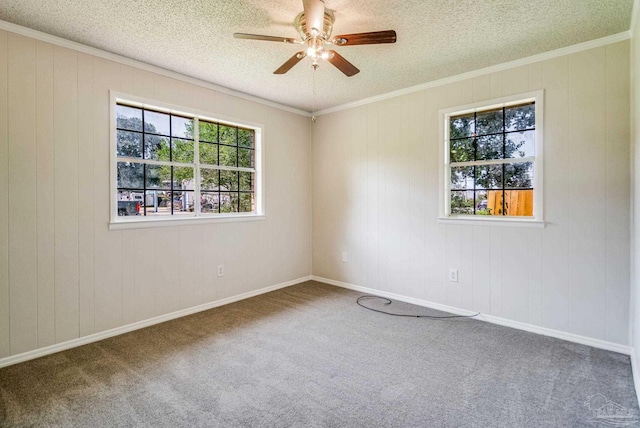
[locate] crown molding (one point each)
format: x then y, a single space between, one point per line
614 38
59 41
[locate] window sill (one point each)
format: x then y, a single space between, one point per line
487 221
146 223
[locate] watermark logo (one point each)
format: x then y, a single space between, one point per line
608 412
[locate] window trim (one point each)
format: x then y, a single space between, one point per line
136 222
444 214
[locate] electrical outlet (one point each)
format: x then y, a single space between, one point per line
220 270
453 275
345 257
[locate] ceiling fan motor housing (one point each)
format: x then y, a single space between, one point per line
306 33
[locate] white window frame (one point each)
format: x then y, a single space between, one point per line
445 215
136 222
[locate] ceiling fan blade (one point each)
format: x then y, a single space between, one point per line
372 38
314 15
342 64
264 38
290 63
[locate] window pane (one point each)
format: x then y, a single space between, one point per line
156 203
129 144
129 118
229 180
229 202
245 137
228 156
156 123
462 150
209 179
488 176
461 126
461 202
183 178
518 203
245 158
246 202
482 204
182 150
181 127
209 153
156 148
209 202
158 176
462 177
246 181
489 147
139 196
520 144
489 122
130 175
129 195
495 202
208 132
228 135
183 203
518 175
520 117
128 203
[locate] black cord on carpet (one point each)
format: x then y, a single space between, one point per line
388 302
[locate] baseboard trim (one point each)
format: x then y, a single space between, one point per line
583 340
41 352
636 373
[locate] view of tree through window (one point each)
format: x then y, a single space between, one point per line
491 155
157 165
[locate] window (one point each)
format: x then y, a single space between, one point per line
492 160
171 164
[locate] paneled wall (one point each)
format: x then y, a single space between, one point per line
635 237
63 274
375 196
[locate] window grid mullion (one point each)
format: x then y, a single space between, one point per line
494 162
144 170
504 154
171 159
238 164
196 171
475 157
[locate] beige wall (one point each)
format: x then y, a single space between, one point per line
63 274
375 196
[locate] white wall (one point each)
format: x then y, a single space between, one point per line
375 196
635 187
63 274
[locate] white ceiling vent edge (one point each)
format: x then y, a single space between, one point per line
614 38
59 41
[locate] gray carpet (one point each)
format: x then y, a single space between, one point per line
308 356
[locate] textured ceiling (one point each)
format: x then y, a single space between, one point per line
436 38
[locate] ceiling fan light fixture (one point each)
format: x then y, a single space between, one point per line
315 24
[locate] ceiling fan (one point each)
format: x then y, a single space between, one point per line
315 24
